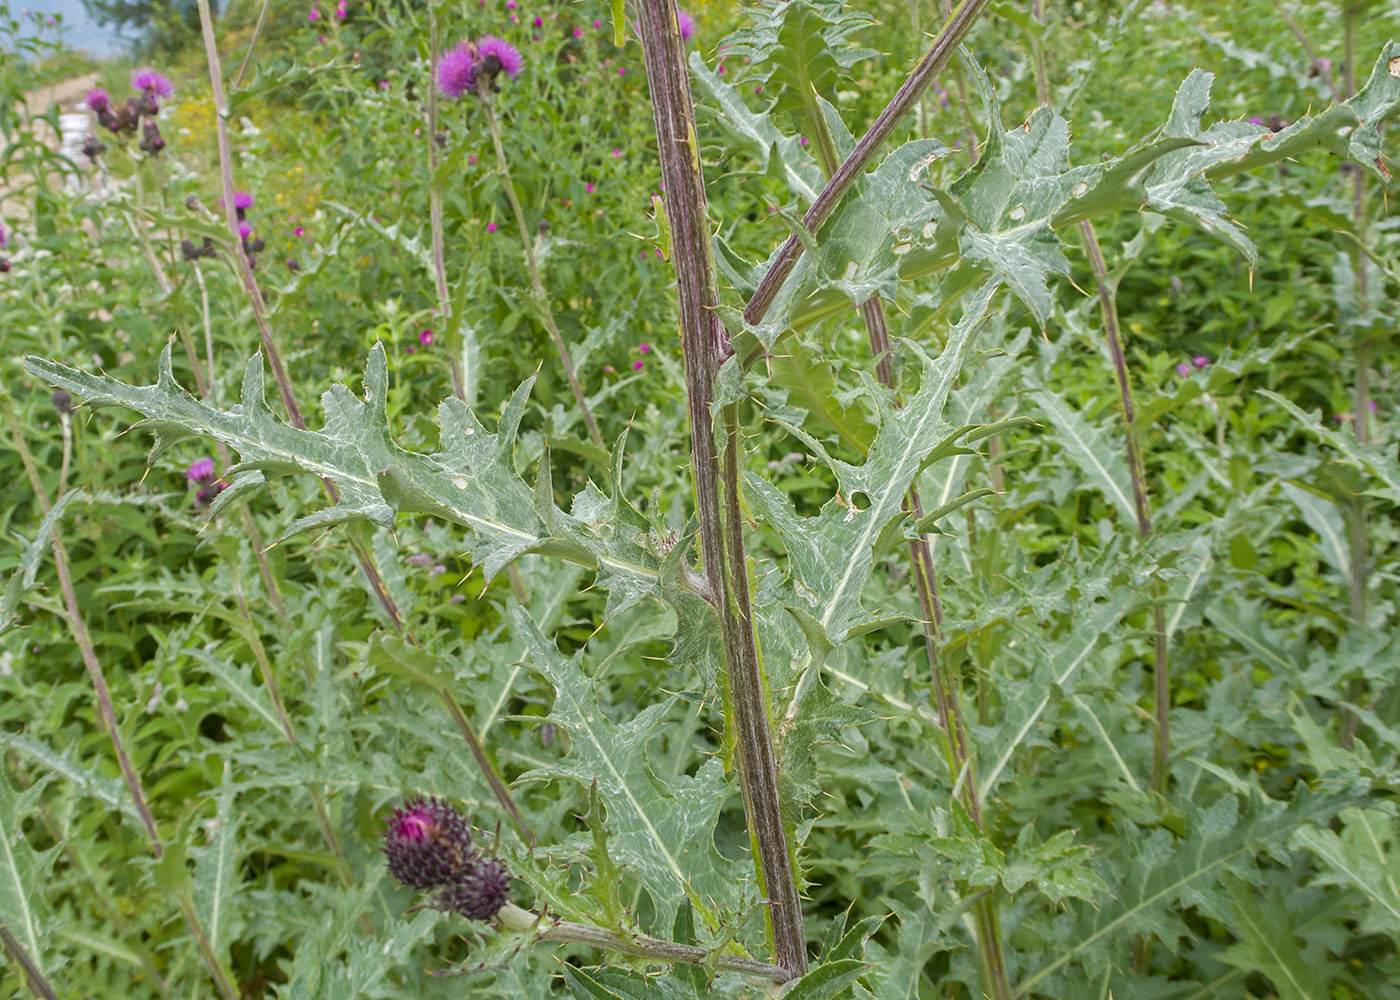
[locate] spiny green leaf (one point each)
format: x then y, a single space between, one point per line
1221 839
831 553
1365 857
470 480
1269 944
1094 451
753 134
1380 466
662 831
22 579
24 871
217 878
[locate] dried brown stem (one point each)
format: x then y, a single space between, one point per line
725 583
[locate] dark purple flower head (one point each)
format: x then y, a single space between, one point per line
151 139
151 82
201 471
480 890
98 100
456 74
193 252
496 55
4 238
686 24
92 147
428 844
208 493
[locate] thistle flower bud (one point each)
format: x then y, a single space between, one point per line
151 140
481 889
62 401
92 147
428 844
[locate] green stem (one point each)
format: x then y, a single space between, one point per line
638 946
532 262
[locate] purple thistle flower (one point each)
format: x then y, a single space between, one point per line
428 844
4 238
687 25
1183 369
98 100
200 471
242 200
244 230
1200 361
151 82
480 890
498 56
456 74
425 338
1256 120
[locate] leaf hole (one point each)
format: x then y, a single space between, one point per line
860 500
460 482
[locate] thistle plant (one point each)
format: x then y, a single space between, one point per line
779 698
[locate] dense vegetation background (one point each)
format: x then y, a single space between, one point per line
274 711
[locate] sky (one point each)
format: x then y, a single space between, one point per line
79 31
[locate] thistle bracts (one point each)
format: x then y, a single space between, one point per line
429 846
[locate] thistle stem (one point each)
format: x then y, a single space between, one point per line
1361 418
956 29
488 770
81 638
19 958
459 383
1161 686
946 682
639 946
532 262
717 504
255 301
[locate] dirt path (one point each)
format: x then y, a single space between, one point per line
65 92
